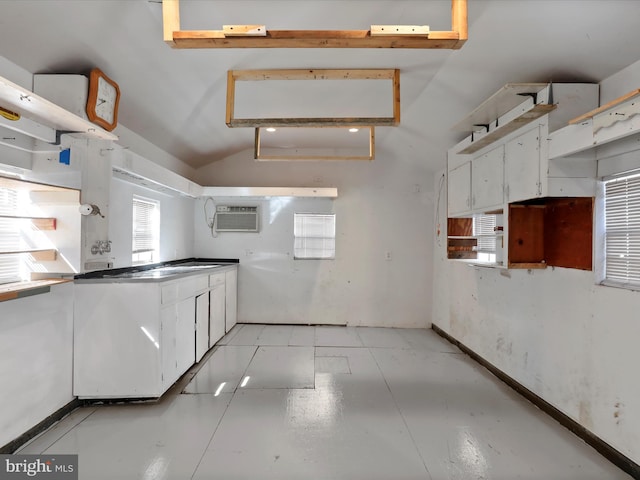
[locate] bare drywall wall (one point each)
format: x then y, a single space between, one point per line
382 272
37 359
176 223
557 332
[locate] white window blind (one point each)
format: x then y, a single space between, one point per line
314 236
622 230
484 229
10 238
146 230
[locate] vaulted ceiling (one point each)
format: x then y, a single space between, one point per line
176 98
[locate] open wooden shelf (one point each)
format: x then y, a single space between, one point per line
554 231
607 106
527 117
41 223
38 254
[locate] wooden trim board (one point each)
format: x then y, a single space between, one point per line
234 76
606 106
176 38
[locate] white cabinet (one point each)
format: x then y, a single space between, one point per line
511 151
134 339
202 325
231 298
522 166
217 319
459 189
487 180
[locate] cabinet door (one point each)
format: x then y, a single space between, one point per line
522 166
459 189
202 325
231 298
487 177
185 335
216 314
168 321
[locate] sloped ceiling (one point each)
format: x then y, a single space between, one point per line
176 98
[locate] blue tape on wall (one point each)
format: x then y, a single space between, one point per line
65 156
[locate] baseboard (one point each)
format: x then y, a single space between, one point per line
606 450
56 416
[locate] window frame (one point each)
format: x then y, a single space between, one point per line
151 254
602 252
324 242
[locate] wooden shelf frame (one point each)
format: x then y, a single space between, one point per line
38 254
291 157
41 223
234 76
185 39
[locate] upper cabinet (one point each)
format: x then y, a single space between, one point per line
506 151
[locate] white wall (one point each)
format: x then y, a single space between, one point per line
35 371
382 206
176 223
570 341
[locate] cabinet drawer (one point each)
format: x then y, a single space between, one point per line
216 279
181 289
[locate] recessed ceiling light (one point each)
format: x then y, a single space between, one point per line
353 130
271 129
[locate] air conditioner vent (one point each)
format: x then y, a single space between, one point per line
237 218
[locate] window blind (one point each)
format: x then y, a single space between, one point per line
622 230
483 228
10 238
144 226
314 236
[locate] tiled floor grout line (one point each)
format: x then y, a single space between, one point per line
65 433
404 420
238 330
215 430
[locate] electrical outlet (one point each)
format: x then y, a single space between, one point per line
387 255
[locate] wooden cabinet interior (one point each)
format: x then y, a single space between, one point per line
551 231
460 245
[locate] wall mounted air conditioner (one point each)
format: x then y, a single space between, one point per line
237 218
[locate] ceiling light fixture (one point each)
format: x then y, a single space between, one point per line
353 130
271 129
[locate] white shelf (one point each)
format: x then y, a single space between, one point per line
326 192
34 108
615 120
501 102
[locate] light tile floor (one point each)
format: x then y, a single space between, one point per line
283 402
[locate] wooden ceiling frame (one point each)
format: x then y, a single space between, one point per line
262 157
257 36
312 74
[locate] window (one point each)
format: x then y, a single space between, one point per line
314 236
10 265
484 231
146 231
622 230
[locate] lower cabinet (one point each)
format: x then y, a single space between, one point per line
217 320
202 325
231 299
135 339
